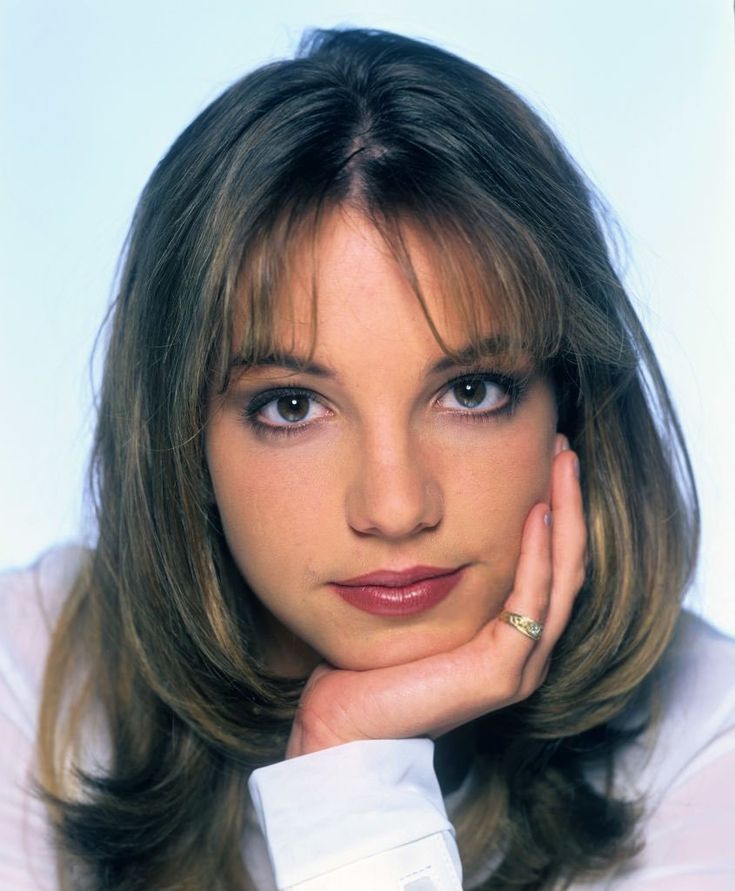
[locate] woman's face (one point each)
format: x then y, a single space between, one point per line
374 460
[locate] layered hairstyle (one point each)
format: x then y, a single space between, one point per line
159 638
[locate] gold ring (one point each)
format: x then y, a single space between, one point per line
526 625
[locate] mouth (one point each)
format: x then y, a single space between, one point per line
393 578
391 593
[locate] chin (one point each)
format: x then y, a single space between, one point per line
397 647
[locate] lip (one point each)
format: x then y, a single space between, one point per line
391 599
392 578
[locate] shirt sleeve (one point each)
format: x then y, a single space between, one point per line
27 861
363 815
688 840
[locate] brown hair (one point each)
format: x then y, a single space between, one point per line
158 635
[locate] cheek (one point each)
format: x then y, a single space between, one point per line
525 474
508 475
270 511
497 488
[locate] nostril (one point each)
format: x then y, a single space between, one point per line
394 511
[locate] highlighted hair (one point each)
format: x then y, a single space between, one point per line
160 634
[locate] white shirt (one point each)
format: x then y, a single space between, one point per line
369 814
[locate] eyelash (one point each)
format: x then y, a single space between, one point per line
512 386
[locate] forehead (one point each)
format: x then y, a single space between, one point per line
347 272
477 295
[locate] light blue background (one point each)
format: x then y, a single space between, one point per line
93 93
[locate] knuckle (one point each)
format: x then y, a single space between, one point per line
325 728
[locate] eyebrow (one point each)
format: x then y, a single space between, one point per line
492 346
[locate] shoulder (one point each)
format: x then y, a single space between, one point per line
47 579
30 601
695 725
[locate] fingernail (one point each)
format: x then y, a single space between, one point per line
576 466
548 519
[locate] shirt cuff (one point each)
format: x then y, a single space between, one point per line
323 811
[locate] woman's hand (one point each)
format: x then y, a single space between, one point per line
498 667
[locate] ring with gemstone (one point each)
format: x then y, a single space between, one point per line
525 624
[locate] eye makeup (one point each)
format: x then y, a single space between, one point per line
510 389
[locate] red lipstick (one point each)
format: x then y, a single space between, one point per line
399 593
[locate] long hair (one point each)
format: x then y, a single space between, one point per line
159 636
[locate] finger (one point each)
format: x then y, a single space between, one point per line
497 673
530 597
569 540
482 675
532 582
489 671
568 546
501 665
560 443
435 694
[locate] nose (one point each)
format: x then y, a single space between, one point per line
394 494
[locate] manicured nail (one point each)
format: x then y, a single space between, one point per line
548 519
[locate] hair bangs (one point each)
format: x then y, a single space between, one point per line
490 274
260 299
498 285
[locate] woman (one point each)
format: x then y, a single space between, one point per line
387 483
